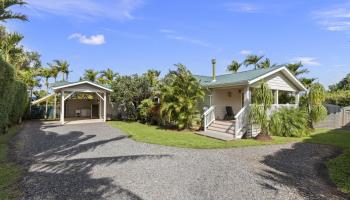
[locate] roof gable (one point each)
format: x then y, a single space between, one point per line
63 85
247 78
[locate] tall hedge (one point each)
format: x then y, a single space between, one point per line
20 102
13 97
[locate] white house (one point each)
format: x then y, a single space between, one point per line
235 91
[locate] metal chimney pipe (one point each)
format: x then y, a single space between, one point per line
213 62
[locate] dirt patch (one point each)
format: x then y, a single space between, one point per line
263 137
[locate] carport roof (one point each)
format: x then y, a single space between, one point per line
65 84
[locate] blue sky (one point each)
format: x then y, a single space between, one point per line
131 36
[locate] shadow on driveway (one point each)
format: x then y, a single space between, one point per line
65 178
302 168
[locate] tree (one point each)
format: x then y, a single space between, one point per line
6 14
307 82
253 60
90 75
54 71
259 110
344 84
316 97
180 94
63 67
46 73
9 45
234 66
129 91
296 68
31 79
107 76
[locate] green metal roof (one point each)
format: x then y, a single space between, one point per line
234 78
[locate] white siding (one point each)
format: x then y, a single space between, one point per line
279 81
221 99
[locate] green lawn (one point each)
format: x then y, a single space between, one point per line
186 139
9 172
339 167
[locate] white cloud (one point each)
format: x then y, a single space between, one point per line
88 9
245 52
242 7
309 61
336 18
90 40
170 34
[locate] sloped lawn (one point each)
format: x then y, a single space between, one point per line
185 139
9 171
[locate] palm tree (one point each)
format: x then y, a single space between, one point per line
9 46
107 76
54 71
307 82
316 98
265 64
252 60
6 14
63 67
295 68
180 94
259 110
47 74
234 66
90 75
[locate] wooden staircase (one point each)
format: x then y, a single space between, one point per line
221 126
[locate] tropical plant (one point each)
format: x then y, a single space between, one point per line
153 77
180 94
63 67
107 76
234 66
316 98
54 71
289 122
9 45
46 73
262 103
31 78
90 75
296 68
145 110
6 14
20 102
253 60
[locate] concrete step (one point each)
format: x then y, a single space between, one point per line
222 130
222 126
224 122
217 135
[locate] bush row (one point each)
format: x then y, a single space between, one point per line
13 97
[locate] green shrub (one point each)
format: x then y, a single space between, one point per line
145 110
289 123
19 103
7 93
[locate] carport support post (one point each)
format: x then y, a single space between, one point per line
55 106
62 107
104 106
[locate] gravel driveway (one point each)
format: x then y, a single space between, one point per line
96 161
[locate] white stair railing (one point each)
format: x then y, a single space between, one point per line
241 121
209 117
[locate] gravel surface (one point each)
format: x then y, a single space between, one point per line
96 161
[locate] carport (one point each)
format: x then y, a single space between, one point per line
84 110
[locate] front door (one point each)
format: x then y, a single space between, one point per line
95 111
